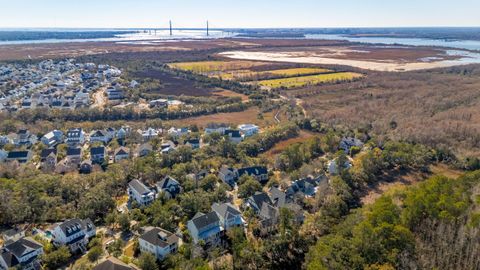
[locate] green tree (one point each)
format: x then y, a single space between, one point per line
147 262
249 188
57 258
95 253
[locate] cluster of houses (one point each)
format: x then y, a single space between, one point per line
55 84
83 151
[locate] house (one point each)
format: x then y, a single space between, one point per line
333 167
121 154
24 138
306 187
158 242
122 133
206 228
23 253
248 129
177 132
148 134
233 135
144 150
158 103
194 143
74 155
48 158
256 201
99 136
73 233
227 175
113 263
219 128
19 156
229 215
347 143
258 172
110 133
277 197
140 193
52 138
169 186
167 147
75 136
97 155
13 235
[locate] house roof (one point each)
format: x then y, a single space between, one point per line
18 154
260 198
97 150
46 152
225 210
122 151
277 196
159 237
74 151
255 170
201 220
167 181
233 133
138 186
22 246
98 133
112 264
72 226
74 133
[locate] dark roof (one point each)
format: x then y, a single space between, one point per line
159 237
138 186
8 257
112 264
259 198
256 170
98 133
46 152
17 154
167 181
97 150
12 232
74 151
203 220
233 133
192 141
278 197
23 246
122 151
72 226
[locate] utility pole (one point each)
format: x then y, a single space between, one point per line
171 28
207 30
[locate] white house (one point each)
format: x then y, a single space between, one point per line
21 254
140 193
121 154
248 129
75 136
177 132
216 128
73 233
206 228
99 136
52 138
158 242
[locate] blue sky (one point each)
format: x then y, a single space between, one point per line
238 13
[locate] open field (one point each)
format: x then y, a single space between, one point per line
249 75
206 67
295 82
172 85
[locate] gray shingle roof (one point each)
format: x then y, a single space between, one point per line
159 237
138 186
203 220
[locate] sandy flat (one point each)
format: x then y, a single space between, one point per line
309 58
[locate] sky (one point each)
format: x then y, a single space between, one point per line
237 13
